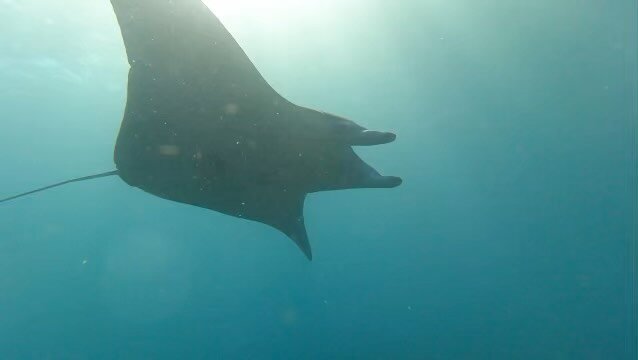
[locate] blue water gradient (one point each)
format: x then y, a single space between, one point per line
512 237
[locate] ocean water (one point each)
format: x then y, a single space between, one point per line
512 237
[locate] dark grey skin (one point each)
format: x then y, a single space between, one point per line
203 127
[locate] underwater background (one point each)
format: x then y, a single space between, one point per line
512 237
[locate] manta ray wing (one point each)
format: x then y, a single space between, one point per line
203 127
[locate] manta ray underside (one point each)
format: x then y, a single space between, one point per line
203 127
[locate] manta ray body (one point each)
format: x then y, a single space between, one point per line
203 127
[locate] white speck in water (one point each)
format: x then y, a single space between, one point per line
231 109
84 261
168 150
238 143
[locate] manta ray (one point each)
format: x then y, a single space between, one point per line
202 127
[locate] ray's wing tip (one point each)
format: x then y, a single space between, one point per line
308 254
300 238
305 248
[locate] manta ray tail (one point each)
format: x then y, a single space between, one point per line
110 173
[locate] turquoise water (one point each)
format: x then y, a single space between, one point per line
512 237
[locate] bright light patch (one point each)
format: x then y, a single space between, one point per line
280 17
271 11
